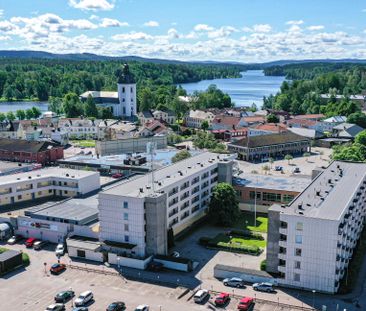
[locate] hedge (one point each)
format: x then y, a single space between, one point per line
263 265
246 234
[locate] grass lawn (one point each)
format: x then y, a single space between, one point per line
224 240
90 143
246 222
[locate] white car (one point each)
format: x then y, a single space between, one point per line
142 308
13 240
60 250
200 296
263 287
84 298
56 307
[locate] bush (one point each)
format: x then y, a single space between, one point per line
26 260
263 265
204 241
246 234
253 250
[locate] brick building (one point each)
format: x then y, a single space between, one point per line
42 152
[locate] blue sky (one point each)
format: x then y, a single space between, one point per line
235 30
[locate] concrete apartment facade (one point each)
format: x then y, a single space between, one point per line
44 183
311 241
136 216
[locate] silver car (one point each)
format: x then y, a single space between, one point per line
234 282
263 287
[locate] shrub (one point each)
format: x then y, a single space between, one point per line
246 234
26 260
253 250
263 265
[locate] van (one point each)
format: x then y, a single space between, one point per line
39 245
200 296
84 298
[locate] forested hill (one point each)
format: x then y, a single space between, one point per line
43 78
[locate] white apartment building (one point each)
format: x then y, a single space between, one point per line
135 216
46 183
195 118
311 241
79 128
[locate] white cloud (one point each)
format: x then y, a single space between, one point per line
92 5
262 28
132 36
151 24
94 17
222 32
1 13
203 27
295 22
294 28
315 27
109 22
173 33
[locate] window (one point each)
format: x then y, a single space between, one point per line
19 197
80 253
298 252
123 90
125 204
125 216
131 89
127 238
252 195
287 198
298 239
297 265
297 277
299 226
271 197
126 227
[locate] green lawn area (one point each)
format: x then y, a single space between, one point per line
246 222
225 240
90 143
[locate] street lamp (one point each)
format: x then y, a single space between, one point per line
72 298
159 307
313 291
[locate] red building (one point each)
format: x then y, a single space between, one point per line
18 150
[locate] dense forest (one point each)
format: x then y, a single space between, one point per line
302 94
52 80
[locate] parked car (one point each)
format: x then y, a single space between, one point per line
278 168
30 242
234 282
80 309
57 268
263 287
222 299
60 249
37 245
117 306
117 175
64 296
296 170
246 303
175 254
142 308
14 239
200 296
84 298
56 307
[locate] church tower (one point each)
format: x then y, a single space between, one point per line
126 93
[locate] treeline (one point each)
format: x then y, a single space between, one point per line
40 79
303 95
28 114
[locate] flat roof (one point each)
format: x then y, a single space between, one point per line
45 172
296 184
6 166
83 211
8 254
83 243
329 193
166 176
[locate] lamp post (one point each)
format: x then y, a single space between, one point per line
313 291
72 298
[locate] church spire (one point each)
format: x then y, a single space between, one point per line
124 75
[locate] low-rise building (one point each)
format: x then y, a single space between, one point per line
145 116
139 216
79 128
346 130
358 99
227 122
262 147
47 182
195 118
164 116
18 150
311 240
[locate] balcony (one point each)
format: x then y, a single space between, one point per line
283 231
282 243
282 269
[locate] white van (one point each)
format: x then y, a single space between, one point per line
200 296
84 298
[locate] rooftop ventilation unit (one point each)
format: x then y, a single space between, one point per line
141 190
301 213
29 177
67 175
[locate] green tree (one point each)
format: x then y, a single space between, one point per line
181 155
145 99
20 114
288 157
224 206
205 125
361 138
204 140
29 114
72 106
36 112
10 116
90 108
272 118
358 118
2 117
8 93
352 152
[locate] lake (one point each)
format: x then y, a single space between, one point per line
244 91
14 106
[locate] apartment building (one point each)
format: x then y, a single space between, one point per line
311 240
79 128
195 118
46 183
135 216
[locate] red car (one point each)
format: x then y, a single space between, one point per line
117 175
222 299
30 242
245 303
57 268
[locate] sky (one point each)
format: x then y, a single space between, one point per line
221 30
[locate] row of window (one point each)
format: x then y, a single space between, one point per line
270 197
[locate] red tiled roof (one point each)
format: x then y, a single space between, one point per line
272 127
310 116
302 122
254 119
226 120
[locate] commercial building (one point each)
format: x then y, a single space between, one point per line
137 216
259 148
47 182
42 152
259 192
311 240
123 102
54 222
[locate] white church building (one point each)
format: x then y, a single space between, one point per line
122 103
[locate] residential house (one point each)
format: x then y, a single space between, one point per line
227 122
164 116
195 118
346 130
79 128
145 116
